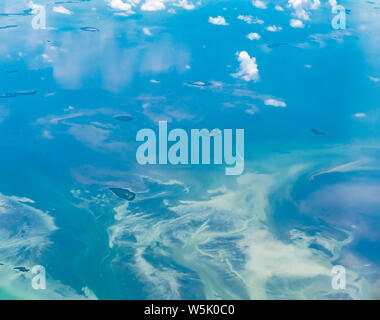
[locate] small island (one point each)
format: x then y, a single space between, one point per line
124 194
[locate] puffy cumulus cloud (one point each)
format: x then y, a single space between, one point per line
275 103
273 28
249 19
259 4
148 5
120 5
153 5
248 69
295 23
219 20
253 36
185 4
62 10
302 7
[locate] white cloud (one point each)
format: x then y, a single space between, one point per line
153 5
147 31
278 8
302 7
248 70
275 103
259 4
360 115
252 110
62 9
120 5
347 167
219 20
373 79
184 4
253 36
249 19
273 28
295 23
